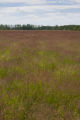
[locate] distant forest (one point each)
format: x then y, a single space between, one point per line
35 27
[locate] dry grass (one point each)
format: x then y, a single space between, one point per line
39 75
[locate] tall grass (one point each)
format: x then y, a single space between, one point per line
39 81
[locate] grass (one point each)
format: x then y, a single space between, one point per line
3 72
42 82
15 102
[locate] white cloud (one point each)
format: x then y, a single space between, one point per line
47 19
38 1
77 1
38 13
25 1
36 8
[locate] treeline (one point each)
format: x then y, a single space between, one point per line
34 27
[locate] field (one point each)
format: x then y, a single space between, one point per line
39 75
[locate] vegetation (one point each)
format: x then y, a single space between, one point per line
39 75
33 27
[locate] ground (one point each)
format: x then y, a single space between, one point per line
39 75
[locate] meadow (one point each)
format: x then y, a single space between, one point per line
39 75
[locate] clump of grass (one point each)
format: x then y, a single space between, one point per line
36 90
3 72
18 69
67 72
45 66
69 61
5 55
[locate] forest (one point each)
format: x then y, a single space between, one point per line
39 27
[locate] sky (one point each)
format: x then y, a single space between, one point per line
40 12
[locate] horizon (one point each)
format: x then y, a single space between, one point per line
39 25
40 12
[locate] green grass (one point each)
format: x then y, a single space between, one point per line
4 55
3 72
19 98
39 81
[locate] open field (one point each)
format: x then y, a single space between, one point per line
39 75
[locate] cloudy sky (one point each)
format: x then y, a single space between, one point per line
40 12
